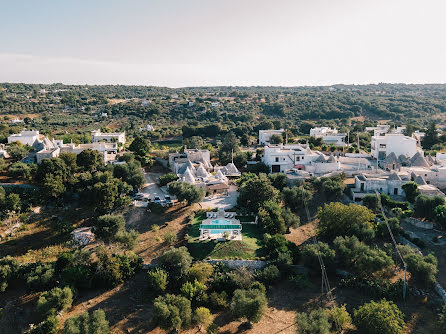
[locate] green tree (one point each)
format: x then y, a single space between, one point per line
424 206
12 202
85 324
17 151
270 218
431 136
261 186
203 317
157 280
340 219
172 312
440 215
382 317
278 180
176 261
230 144
108 226
53 186
411 191
19 170
311 253
295 197
317 322
201 271
89 160
276 139
248 304
186 192
9 268
55 300
140 148
422 268
361 258
167 178
371 202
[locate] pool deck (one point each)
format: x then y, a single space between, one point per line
221 226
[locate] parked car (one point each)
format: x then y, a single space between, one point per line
168 200
157 200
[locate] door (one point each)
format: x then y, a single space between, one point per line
395 191
275 168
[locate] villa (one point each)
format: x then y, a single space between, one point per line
98 136
330 136
265 135
221 226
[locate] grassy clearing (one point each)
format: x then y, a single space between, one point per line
248 248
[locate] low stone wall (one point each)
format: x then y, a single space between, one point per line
419 223
233 264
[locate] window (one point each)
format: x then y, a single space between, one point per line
277 159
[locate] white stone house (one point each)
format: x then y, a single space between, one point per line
98 136
399 144
265 135
330 136
25 137
283 157
390 184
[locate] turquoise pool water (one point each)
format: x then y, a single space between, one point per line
217 231
221 222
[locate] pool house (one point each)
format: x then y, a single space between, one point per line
221 225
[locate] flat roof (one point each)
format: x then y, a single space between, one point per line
221 227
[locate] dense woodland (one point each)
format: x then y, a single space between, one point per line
243 110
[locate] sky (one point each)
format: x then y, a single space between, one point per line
178 43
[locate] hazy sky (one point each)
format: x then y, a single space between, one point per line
223 42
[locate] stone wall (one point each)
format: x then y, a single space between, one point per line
419 223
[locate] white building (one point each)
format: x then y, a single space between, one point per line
25 137
382 146
265 135
98 136
390 184
283 157
109 151
215 104
16 120
330 136
148 128
177 160
191 104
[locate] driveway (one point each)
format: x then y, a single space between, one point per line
219 201
151 188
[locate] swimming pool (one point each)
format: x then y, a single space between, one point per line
217 231
221 222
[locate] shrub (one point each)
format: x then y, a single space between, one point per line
423 268
218 301
310 253
108 226
186 192
371 202
390 203
269 274
381 317
176 261
157 280
361 258
41 277
203 317
317 322
127 239
339 219
86 324
201 271
411 191
48 326
248 304
424 206
172 312
442 320
193 291
167 178
113 269
8 270
170 238
440 215
339 315
55 300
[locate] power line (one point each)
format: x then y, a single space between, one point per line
394 242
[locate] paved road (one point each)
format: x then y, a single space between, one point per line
224 202
151 188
